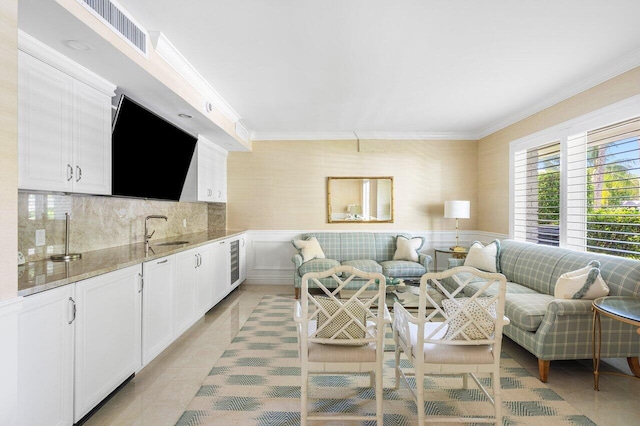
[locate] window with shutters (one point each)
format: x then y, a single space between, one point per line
579 186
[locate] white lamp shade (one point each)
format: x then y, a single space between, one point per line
457 209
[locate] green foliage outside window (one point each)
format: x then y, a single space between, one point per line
611 227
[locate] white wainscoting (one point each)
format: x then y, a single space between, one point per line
9 360
269 253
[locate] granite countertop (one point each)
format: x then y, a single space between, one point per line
35 277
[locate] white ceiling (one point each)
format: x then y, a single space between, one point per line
301 69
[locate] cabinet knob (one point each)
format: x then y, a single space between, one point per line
78 173
69 172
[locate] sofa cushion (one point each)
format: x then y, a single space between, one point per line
402 269
408 248
366 265
492 290
317 265
357 245
526 310
535 266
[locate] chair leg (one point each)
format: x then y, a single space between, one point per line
379 399
397 365
419 379
497 397
304 389
543 369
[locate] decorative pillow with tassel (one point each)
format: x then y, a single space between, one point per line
584 283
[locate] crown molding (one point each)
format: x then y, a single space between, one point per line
174 58
415 136
34 47
326 136
616 68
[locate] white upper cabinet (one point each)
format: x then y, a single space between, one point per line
207 177
64 124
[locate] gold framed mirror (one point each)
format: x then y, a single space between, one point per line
360 199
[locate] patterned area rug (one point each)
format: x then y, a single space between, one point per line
257 382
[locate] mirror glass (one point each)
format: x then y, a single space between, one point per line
360 199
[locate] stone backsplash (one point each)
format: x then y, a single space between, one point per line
98 222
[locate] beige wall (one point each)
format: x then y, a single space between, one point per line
281 185
8 148
493 150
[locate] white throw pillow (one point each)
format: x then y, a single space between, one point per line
407 249
486 258
481 312
583 283
309 249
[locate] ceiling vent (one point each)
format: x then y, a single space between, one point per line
120 21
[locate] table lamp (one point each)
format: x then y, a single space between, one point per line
457 209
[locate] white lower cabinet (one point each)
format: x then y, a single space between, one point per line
45 358
193 287
157 306
79 342
107 335
185 291
204 281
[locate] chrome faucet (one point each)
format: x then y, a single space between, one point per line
148 236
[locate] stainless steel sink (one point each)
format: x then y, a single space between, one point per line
172 243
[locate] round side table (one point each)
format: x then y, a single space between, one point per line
624 309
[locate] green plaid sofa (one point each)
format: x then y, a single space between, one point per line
367 251
561 329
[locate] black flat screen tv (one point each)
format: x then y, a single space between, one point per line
150 156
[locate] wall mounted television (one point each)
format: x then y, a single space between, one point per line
150 156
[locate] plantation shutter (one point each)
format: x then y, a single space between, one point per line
537 194
603 190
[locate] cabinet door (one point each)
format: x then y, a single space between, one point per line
221 282
108 335
157 307
45 358
219 177
204 280
206 164
92 140
185 290
44 126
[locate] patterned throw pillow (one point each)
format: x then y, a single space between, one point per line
583 283
482 313
353 330
407 249
486 258
309 249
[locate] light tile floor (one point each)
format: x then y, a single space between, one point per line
159 393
